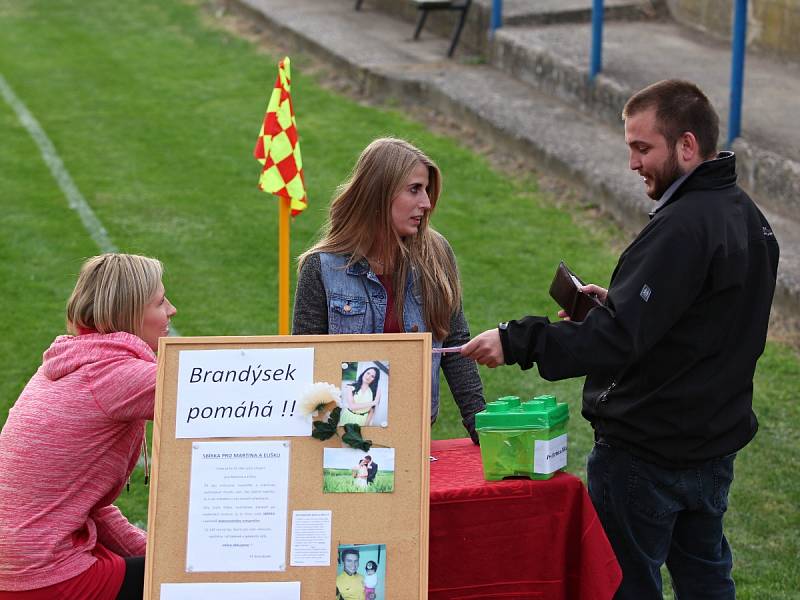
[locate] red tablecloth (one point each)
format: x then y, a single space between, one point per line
513 539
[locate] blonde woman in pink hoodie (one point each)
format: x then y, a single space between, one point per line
74 436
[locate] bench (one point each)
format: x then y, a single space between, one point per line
425 6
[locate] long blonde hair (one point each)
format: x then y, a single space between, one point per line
112 293
361 214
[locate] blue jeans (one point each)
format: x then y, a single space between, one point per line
654 515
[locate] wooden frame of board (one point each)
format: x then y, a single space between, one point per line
398 519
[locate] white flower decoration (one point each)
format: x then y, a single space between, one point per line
319 396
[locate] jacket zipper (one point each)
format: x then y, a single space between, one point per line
602 398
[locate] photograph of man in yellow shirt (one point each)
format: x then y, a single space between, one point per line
349 583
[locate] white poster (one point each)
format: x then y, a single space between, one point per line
550 455
289 590
238 504
243 392
311 538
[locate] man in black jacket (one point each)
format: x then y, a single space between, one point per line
372 469
670 356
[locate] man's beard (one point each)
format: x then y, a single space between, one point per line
669 172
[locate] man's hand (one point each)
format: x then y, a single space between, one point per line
485 349
600 292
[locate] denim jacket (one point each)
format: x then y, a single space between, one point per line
357 304
333 298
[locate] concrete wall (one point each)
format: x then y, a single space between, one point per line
772 25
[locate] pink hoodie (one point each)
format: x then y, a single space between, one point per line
66 451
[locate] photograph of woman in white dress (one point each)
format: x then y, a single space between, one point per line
360 474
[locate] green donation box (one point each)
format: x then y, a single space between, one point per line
523 438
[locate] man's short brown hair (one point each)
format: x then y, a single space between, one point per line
680 106
352 551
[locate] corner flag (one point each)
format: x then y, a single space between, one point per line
278 148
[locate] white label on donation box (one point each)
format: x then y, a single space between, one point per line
550 455
243 393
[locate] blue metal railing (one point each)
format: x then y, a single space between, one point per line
497 16
596 64
738 51
739 43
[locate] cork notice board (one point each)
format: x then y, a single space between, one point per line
395 523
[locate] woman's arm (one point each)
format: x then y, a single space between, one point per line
462 375
371 414
117 534
310 300
350 400
125 388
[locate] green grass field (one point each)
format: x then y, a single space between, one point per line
154 112
337 481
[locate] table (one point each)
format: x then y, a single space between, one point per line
513 539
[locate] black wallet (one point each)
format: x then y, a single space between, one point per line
565 290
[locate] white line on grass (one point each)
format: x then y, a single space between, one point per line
75 199
60 174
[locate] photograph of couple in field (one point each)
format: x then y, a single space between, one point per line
346 470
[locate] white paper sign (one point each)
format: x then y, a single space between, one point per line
242 392
238 502
289 590
550 455
311 538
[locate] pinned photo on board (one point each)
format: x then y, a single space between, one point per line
347 471
365 393
361 572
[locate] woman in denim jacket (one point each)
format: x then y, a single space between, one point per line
380 268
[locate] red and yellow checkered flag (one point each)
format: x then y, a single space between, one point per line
278 148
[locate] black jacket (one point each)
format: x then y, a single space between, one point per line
670 358
372 471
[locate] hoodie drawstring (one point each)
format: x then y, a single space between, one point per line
146 465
